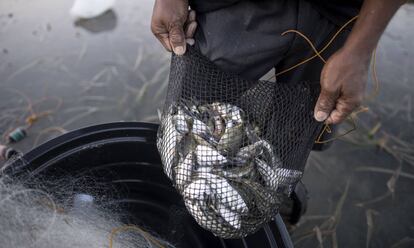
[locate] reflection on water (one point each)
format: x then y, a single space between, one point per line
112 69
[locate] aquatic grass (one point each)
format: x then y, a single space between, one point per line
370 225
328 227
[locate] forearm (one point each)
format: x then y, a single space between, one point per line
371 23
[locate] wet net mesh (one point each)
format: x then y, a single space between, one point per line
233 147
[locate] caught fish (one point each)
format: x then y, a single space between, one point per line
208 141
249 152
263 198
229 216
219 126
267 174
168 144
232 138
222 108
184 170
226 194
186 145
202 133
197 190
237 172
228 187
235 114
200 128
228 111
213 120
207 156
180 121
252 133
287 176
194 110
275 161
209 219
203 170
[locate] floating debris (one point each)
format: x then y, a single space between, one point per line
86 9
17 135
7 153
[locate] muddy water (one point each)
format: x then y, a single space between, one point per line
112 69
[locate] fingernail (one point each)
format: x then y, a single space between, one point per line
321 116
190 42
179 50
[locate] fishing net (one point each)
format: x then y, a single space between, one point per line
233 147
65 213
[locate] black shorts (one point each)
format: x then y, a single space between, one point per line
246 38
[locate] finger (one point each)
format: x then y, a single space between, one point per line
342 110
177 39
191 16
325 104
165 41
190 30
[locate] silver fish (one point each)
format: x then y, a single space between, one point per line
202 133
183 171
207 141
194 111
222 108
235 114
180 121
252 133
200 128
267 173
275 161
232 138
263 198
197 190
249 152
207 156
288 177
202 170
186 145
237 172
228 111
234 219
209 219
167 145
219 126
226 194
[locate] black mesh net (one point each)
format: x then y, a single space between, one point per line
233 147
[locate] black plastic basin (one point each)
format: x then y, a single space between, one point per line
124 157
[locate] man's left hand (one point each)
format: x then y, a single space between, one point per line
343 82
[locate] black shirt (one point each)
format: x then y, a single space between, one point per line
338 11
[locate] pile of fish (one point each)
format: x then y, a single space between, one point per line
229 177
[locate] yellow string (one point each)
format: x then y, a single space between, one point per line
326 127
321 51
317 53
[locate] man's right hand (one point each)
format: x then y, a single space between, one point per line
172 23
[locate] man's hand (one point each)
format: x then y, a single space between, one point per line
343 81
345 74
172 23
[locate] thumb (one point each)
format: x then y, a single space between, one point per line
177 39
325 104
